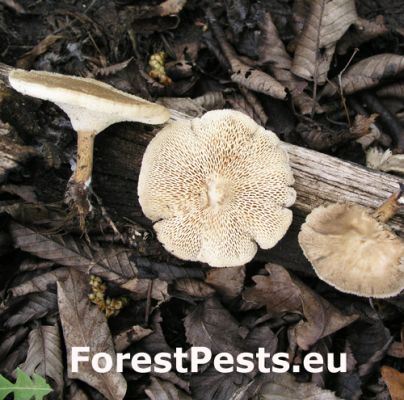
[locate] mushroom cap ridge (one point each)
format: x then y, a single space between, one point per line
215 186
103 103
352 251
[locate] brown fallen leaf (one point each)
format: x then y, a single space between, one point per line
279 292
162 390
394 381
39 283
324 25
365 30
204 327
395 89
367 73
132 335
228 282
45 355
28 308
27 59
285 387
242 73
272 51
13 155
111 263
84 325
194 287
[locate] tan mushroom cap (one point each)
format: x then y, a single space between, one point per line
216 186
352 251
103 104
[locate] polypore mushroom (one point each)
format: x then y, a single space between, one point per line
216 186
353 250
91 106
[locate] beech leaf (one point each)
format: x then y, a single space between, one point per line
325 24
45 355
84 325
279 292
367 73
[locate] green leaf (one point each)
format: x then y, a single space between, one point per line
24 387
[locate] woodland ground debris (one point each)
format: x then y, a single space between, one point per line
237 54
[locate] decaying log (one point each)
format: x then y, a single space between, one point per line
320 178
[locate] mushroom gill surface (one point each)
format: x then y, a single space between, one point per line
216 186
352 251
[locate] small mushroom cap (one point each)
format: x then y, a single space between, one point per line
216 186
352 251
91 105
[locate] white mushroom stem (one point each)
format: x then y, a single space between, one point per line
390 207
85 151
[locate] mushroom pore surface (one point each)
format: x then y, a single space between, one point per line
215 187
350 250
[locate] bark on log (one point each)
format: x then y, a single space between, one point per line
320 178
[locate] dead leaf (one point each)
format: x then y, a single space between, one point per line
14 5
162 390
11 340
45 355
204 327
194 287
84 325
395 89
228 282
394 381
369 342
365 30
112 264
28 308
325 24
39 283
13 155
132 335
272 51
367 73
242 73
284 386
169 7
149 269
25 192
27 59
279 292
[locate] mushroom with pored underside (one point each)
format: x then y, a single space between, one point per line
216 186
91 106
353 250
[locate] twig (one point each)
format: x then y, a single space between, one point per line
341 90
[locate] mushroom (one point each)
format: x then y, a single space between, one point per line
216 186
354 250
91 106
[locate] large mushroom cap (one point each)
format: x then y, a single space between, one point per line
350 250
103 103
216 186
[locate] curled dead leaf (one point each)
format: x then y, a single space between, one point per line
324 25
394 381
84 325
367 73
